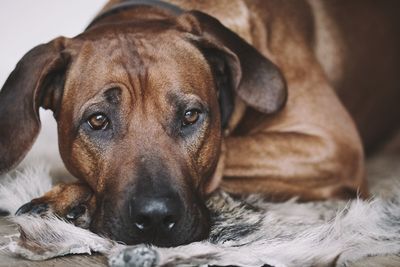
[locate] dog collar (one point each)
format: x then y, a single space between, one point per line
130 4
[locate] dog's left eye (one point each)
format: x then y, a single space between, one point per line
98 121
190 117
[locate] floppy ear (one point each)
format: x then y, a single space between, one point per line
36 81
254 78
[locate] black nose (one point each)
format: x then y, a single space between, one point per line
156 216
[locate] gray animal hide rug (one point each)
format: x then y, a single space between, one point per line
246 232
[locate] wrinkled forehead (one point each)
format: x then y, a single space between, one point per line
144 64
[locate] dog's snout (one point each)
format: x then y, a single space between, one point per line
153 216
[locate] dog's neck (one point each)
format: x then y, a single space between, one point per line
127 5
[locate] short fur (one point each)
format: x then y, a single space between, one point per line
278 88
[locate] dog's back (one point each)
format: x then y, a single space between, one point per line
357 43
367 76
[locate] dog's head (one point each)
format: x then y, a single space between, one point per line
140 110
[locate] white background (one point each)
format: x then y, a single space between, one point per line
27 23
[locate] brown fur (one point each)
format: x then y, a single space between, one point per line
303 143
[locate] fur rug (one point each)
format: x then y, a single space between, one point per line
246 232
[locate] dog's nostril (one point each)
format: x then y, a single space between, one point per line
143 222
140 226
146 222
169 222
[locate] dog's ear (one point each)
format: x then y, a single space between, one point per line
254 78
36 81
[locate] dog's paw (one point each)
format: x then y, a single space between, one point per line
136 256
78 215
33 208
73 202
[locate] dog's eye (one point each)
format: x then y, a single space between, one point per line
98 121
191 116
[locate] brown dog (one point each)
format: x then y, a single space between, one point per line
155 104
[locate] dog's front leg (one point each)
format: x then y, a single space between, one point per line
74 202
282 165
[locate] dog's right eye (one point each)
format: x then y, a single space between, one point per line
98 121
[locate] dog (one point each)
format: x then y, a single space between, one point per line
159 103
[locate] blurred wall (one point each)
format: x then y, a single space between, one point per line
27 23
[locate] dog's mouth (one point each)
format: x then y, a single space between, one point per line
192 224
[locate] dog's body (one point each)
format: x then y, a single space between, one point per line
284 130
